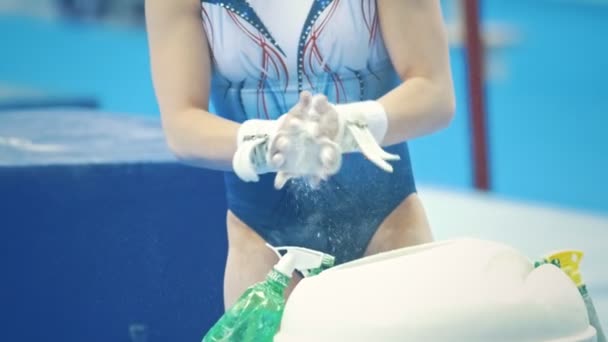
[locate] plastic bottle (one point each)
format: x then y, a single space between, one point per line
256 315
569 261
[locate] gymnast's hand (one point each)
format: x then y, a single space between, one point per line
354 127
292 146
300 149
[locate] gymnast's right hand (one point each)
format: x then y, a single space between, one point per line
291 146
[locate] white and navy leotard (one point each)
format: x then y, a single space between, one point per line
264 53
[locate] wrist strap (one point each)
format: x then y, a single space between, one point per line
370 114
253 139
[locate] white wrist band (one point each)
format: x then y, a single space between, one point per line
250 159
370 113
256 129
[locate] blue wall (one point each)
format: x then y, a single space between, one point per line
547 118
59 58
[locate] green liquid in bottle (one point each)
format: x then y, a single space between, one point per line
256 316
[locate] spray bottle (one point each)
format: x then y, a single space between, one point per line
257 314
569 262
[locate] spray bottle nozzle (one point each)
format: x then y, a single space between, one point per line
309 262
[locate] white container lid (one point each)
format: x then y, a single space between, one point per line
461 290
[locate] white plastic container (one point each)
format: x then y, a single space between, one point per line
460 290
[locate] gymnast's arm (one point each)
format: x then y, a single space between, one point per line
180 63
416 41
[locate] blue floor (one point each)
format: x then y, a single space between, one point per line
546 113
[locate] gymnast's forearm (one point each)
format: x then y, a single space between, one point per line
180 62
201 139
416 39
418 107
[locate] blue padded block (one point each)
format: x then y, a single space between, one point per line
102 229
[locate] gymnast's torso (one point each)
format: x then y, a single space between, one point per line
264 53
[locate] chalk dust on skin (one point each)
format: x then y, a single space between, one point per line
332 220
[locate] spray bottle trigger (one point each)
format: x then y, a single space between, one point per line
308 261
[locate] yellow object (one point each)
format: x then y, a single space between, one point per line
569 261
